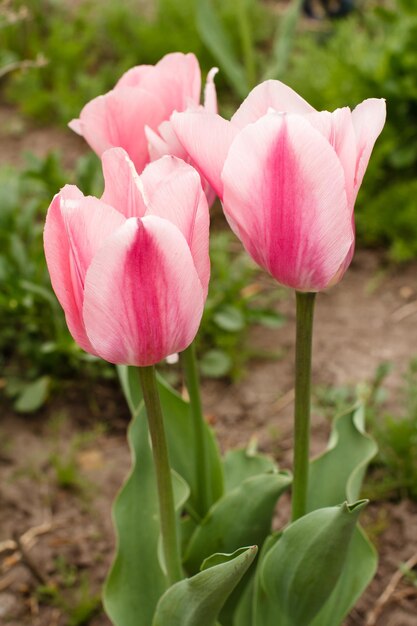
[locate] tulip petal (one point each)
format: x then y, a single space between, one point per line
271 94
123 187
143 298
185 70
284 195
338 129
134 76
118 119
173 191
75 228
207 138
368 120
210 95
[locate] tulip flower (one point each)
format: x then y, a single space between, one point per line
135 114
131 269
288 177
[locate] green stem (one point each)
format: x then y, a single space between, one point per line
193 386
170 543
304 334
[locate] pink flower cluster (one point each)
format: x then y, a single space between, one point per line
131 270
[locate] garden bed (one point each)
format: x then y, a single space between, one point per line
62 467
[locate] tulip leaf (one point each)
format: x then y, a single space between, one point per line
136 581
197 601
178 425
215 363
252 503
302 568
360 568
33 395
217 40
337 474
244 463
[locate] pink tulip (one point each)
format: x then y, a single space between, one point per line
288 177
135 114
131 270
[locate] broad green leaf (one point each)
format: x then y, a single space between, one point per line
229 318
242 615
129 380
244 463
359 570
33 395
301 570
179 431
136 581
260 610
217 40
251 503
337 474
215 363
197 601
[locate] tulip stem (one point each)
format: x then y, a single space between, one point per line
193 386
304 335
170 543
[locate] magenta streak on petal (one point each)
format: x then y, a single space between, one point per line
145 315
288 247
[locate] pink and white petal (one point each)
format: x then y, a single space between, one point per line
284 194
76 226
368 120
173 191
186 71
168 144
57 253
134 76
157 147
175 147
122 183
210 94
88 222
271 94
143 298
338 129
76 126
207 138
118 119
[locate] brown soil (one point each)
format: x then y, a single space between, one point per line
369 318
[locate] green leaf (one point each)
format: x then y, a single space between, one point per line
301 570
180 435
197 601
33 395
229 318
337 474
136 581
215 364
359 569
252 503
244 463
217 40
